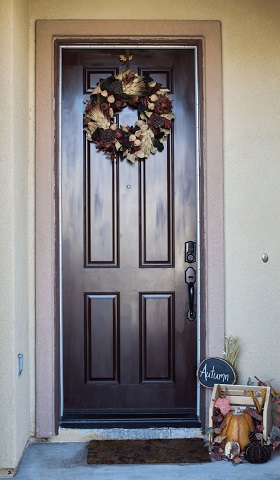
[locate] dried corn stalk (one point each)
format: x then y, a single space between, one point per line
232 349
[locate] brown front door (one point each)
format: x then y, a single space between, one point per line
129 351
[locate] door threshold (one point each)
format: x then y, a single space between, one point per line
131 424
132 420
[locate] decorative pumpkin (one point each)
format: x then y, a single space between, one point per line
237 428
257 453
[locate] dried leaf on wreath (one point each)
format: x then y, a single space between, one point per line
260 428
237 461
123 58
168 116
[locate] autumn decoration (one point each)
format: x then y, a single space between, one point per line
232 350
244 433
257 451
232 450
223 405
141 93
274 436
235 427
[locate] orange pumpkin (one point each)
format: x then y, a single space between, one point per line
237 428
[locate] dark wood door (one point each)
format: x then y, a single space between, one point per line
128 348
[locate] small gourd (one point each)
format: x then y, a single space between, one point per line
237 428
257 453
232 449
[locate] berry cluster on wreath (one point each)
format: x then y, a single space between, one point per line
110 97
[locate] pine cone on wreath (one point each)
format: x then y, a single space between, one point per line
108 136
116 87
157 121
105 84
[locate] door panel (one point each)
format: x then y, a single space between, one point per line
156 211
101 211
128 348
102 333
157 322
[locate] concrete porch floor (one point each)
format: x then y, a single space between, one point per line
67 461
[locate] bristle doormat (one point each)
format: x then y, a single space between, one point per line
110 452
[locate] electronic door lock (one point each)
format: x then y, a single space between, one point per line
190 252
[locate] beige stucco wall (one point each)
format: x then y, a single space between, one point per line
14 253
251 71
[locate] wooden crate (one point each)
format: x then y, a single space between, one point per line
239 397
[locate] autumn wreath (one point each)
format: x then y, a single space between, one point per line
148 133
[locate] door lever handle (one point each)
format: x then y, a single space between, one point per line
190 278
191 295
191 315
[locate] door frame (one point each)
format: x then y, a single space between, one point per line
49 35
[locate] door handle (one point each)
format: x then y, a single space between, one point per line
191 295
190 278
191 315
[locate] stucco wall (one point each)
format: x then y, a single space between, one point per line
251 71
14 305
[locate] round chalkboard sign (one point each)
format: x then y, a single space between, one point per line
215 370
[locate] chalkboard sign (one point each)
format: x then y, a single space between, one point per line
215 370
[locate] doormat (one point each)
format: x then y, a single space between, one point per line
186 450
